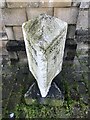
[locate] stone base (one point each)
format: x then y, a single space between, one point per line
54 97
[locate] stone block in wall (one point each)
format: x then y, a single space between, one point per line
18 33
1 20
38 3
2 26
17 4
68 15
0 51
3 50
13 16
0 29
76 3
4 36
3 44
82 22
15 45
13 56
83 47
71 31
22 56
84 5
2 3
9 32
56 3
89 20
23 3
33 12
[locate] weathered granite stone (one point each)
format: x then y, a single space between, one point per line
45 41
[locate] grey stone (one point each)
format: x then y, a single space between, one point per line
82 46
15 45
4 36
10 34
13 16
2 4
3 44
18 33
76 3
14 4
68 15
13 56
45 41
1 22
81 64
34 12
3 51
23 4
54 97
84 5
71 31
22 56
38 3
82 22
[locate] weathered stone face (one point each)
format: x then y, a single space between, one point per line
45 41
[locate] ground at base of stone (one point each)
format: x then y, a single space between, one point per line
16 79
54 96
16 82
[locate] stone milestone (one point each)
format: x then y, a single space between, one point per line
44 38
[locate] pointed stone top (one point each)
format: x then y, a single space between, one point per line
43 30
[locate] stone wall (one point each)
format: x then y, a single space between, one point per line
13 14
